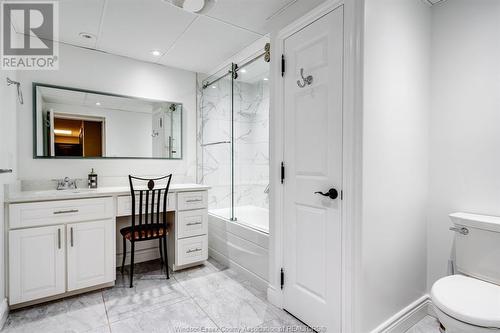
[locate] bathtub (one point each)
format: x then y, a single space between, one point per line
242 245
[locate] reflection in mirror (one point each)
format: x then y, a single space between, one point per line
73 123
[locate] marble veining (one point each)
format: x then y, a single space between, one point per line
251 143
208 298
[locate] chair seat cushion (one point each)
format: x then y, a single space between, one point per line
144 232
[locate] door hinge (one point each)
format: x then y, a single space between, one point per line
282 65
282 278
282 172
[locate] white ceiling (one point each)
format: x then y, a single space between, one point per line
134 28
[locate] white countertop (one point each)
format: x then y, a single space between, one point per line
79 193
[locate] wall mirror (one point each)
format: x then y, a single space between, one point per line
76 123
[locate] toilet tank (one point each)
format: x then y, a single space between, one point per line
477 246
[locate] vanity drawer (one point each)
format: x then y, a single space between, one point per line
192 223
191 250
124 205
193 200
56 212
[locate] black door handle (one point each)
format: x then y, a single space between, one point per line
332 193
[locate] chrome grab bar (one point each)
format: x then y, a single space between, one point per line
463 231
215 143
5 170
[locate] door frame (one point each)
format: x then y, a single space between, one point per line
351 151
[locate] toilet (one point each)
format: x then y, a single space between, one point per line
469 302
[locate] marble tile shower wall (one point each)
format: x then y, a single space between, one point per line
251 135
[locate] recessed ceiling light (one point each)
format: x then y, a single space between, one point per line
86 35
156 53
243 70
266 79
98 103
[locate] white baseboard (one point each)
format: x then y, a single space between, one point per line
140 256
406 318
4 312
275 297
248 275
430 310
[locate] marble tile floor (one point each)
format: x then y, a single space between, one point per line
208 298
427 325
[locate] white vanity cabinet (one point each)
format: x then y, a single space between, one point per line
37 263
91 253
62 243
75 253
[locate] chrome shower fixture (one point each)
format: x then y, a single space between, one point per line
19 91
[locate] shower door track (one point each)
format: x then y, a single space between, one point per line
236 69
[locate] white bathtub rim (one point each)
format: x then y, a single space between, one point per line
244 221
241 223
240 230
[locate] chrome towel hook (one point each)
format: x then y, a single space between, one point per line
306 81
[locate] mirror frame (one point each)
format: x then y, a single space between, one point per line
35 85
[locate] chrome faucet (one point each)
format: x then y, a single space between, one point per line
66 184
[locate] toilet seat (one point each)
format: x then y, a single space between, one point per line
469 300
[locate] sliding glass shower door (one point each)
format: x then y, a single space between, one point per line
234 134
251 144
216 143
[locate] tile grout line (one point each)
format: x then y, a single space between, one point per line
105 309
197 304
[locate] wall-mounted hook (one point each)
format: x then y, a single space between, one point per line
306 81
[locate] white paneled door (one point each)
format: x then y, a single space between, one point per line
313 88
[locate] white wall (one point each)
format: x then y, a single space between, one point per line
8 101
465 121
395 158
87 69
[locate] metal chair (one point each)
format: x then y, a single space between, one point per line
150 222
